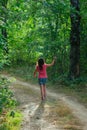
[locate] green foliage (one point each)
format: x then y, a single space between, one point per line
83 37
64 80
4 60
41 28
6 96
9 119
12 123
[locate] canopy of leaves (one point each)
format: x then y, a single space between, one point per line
40 28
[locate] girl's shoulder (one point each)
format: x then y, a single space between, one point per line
45 64
36 66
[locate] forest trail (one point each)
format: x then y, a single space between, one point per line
39 115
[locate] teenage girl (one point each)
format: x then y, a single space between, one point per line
42 75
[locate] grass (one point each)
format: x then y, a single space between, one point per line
11 122
61 115
78 92
9 119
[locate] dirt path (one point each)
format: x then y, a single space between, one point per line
38 115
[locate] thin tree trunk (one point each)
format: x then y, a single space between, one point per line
74 70
3 30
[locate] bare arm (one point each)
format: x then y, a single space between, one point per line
35 71
52 63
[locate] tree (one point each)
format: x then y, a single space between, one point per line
74 70
3 28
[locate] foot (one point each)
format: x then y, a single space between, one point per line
45 97
42 98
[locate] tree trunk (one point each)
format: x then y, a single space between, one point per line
74 70
3 29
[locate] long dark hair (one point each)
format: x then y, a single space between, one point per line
40 63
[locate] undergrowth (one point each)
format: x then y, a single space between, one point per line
10 118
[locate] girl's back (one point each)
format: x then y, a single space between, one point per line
42 72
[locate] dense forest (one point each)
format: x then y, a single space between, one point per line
30 29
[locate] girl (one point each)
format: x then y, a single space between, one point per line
42 75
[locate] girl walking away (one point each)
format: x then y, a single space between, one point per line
41 67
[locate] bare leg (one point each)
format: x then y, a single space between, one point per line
44 90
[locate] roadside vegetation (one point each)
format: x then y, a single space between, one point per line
10 117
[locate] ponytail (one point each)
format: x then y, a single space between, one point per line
40 63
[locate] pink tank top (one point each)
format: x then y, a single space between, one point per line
42 73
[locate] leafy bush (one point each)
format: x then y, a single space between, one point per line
10 119
6 96
4 59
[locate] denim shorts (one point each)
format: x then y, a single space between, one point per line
42 81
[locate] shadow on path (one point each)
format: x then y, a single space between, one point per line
35 120
40 110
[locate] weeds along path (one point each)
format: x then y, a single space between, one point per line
58 112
